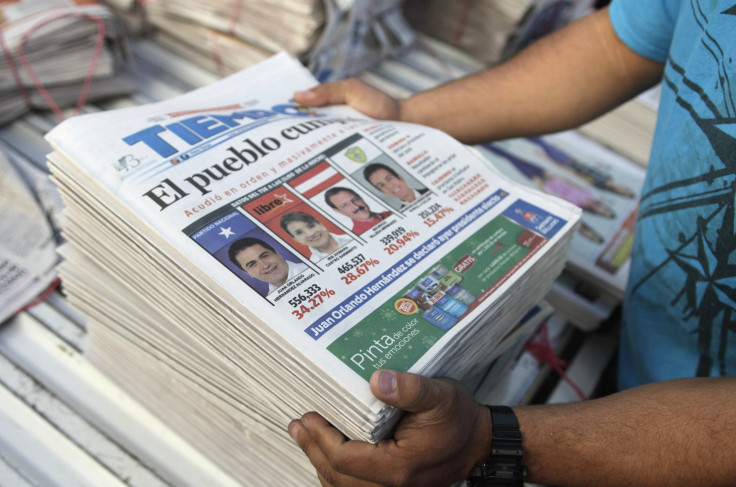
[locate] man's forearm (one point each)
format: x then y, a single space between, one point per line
674 433
561 81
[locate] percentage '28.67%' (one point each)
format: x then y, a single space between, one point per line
359 270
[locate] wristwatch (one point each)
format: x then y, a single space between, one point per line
503 467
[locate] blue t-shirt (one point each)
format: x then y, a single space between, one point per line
680 307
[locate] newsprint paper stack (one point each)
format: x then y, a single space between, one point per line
58 53
238 268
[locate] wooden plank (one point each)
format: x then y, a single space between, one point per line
69 330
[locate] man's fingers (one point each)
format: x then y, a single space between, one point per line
329 451
305 437
355 93
334 93
323 481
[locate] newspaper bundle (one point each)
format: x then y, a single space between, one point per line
56 54
242 260
492 30
335 38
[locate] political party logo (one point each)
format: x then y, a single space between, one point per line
356 154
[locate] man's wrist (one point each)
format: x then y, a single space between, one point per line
503 465
485 434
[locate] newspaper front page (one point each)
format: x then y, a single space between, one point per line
358 244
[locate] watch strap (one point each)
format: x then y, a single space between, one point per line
503 466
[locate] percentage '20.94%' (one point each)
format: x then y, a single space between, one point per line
400 242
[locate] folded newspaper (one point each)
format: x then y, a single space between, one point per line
242 260
27 246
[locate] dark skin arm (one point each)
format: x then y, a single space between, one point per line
442 420
674 433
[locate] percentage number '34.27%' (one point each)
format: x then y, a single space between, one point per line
309 299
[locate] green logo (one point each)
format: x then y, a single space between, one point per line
356 154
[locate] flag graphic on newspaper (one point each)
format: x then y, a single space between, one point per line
316 180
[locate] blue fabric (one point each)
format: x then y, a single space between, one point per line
646 26
680 307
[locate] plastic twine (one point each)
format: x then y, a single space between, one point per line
541 348
89 77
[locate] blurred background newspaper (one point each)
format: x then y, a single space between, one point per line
27 238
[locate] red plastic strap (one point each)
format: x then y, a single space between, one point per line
42 297
234 14
541 348
89 77
214 43
460 29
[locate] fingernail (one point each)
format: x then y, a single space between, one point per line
304 94
387 382
294 432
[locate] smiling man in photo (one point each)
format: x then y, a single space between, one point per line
261 261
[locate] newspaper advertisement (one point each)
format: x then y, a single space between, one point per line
362 243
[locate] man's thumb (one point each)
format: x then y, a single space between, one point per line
410 392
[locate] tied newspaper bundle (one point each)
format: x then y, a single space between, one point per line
336 38
58 54
492 30
228 36
242 260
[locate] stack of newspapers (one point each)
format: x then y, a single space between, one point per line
335 38
228 36
242 260
58 54
491 30
603 184
629 129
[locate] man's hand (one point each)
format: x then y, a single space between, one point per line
355 93
442 435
